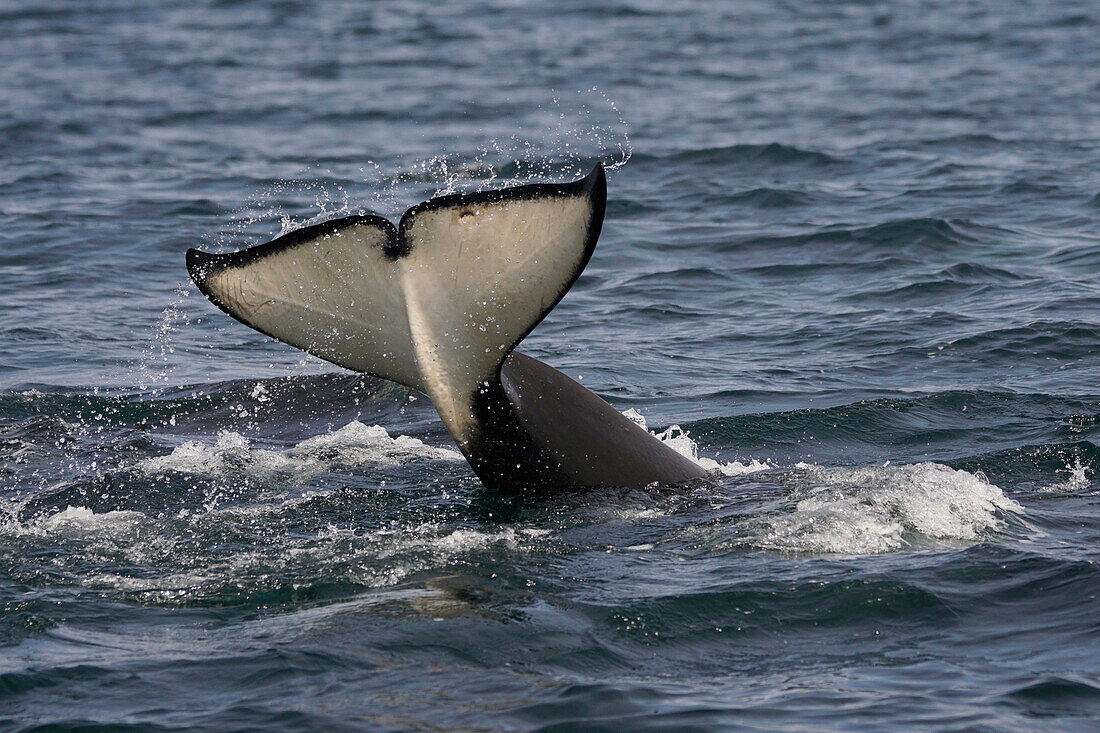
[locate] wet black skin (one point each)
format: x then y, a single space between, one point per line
538 430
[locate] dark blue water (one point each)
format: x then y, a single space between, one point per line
852 249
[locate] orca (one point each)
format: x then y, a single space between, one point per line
439 303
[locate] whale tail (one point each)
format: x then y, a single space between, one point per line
435 303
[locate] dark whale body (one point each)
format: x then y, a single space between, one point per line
439 303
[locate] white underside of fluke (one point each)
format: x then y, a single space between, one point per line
472 276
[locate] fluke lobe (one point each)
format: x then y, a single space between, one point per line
439 303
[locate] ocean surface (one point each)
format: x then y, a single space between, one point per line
851 261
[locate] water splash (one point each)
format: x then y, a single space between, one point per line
1077 481
154 368
678 439
560 146
626 148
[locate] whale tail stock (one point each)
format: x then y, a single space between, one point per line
435 303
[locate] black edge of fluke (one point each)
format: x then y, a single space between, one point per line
197 262
594 186
200 265
290 239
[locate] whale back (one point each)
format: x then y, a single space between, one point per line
588 441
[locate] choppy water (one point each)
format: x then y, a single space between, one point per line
851 249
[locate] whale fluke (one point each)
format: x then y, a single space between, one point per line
437 303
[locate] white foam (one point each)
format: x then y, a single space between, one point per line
465 540
230 450
378 557
77 520
678 440
353 444
883 508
